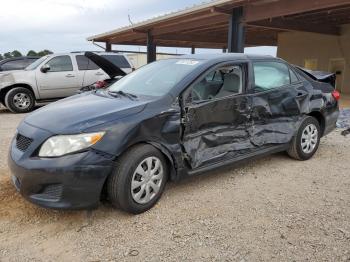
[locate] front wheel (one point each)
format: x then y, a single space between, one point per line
305 144
20 100
139 179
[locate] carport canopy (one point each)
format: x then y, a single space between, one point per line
231 24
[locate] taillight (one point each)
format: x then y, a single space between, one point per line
336 95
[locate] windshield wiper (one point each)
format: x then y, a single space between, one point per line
122 93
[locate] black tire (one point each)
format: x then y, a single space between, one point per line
13 107
119 182
295 150
2 101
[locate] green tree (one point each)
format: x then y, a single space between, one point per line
16 53
32 53
44 52
1 57
7 55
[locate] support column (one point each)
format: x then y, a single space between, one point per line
108 47
236 31
151 48
193 50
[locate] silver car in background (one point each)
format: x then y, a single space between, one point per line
53 77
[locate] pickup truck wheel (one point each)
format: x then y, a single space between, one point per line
20 100
138 180
305 144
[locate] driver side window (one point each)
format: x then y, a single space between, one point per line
221 82
60 64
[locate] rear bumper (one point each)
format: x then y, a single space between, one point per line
71 182
331 119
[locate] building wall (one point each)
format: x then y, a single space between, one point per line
139 60
316 51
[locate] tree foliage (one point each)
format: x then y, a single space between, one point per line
16 53
7 55
32 53
44 52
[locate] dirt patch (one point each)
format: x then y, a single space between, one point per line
272 209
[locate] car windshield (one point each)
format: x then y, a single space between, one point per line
36 63
156 79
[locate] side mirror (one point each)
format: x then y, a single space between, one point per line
45 68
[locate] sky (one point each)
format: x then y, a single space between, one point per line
64 25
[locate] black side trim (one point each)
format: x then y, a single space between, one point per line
240 159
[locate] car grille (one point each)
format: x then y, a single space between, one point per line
23 142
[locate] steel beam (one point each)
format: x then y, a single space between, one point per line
193 50
236 31
151 48
108 47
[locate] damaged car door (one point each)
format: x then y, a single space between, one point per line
277 99
216 116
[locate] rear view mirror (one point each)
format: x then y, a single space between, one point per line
45 68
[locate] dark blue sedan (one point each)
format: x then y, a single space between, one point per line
168 120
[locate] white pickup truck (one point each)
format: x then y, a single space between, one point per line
53 77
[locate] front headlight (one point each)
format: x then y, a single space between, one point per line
64 144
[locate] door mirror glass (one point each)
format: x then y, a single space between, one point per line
45 68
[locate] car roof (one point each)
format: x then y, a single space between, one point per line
96 52
18 58
226 56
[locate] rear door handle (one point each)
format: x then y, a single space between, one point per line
301 94
70 75
99 74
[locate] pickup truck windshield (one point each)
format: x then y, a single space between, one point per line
156 79
36 63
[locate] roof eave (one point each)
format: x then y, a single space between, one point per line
165 17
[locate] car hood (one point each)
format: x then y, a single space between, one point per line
9 72
80 112
111 69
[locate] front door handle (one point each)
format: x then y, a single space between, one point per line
70 75
301 94
99 74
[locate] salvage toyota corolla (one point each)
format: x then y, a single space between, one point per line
167 120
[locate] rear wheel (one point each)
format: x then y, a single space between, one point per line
305 144
138 180
20 100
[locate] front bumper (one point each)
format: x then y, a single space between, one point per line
69 182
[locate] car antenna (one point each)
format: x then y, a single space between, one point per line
129 17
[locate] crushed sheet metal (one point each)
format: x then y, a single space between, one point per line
244 124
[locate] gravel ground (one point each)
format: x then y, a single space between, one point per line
271 209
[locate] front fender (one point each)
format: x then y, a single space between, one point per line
19 78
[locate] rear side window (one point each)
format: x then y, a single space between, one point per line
60 64
269 75
293 77
85 63
119 60
13 65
